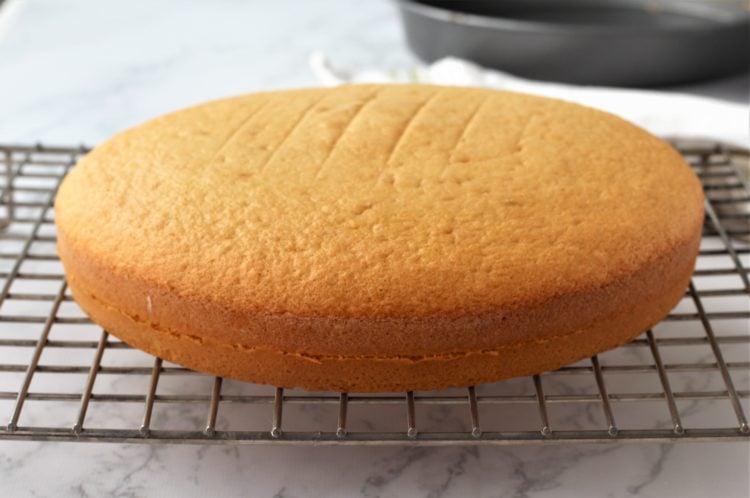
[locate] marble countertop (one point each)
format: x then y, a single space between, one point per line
74 71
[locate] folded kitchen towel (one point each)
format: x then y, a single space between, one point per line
663 113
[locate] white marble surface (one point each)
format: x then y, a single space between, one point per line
685 470
75 71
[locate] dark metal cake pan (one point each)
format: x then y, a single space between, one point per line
614 42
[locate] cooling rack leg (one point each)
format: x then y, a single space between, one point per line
673 412
731 391
474 411
542 406
343 403
278 406
24 391
728 244
611 426
411 418
155 372
86 397
213 408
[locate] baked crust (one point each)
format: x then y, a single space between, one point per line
657 289
413 257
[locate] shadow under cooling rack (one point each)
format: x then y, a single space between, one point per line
63 378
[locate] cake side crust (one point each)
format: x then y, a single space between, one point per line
378 374
492 349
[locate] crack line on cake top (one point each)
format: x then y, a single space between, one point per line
369 100
405 130
288 134
465 129
237 131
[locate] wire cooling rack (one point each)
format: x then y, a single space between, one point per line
62 378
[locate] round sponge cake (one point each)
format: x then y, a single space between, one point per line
379 238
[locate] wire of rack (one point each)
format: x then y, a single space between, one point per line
57 368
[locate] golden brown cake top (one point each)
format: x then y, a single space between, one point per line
367 201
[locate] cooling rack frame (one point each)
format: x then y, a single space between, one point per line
30 177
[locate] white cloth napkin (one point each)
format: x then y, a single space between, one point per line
664 114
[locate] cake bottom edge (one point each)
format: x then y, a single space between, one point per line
384 374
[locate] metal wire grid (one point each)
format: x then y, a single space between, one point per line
44 334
